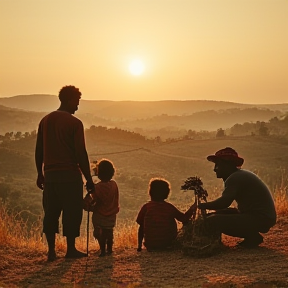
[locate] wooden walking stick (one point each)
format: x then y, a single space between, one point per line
87 250
88 208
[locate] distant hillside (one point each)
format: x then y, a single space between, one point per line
210 120
165 126
35 102
14 120
23 113
129 110
138 160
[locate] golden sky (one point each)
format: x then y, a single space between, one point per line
226 50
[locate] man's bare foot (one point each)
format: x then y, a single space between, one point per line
75 254
51 256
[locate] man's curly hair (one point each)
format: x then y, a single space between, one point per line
68 92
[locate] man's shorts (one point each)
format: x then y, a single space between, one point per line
65 197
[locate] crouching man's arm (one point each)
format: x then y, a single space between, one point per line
220 203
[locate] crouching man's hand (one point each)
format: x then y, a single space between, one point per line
191 212
202 206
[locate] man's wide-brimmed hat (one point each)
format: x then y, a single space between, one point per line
227 154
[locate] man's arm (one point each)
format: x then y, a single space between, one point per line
220 203
228 196
39 159
82 158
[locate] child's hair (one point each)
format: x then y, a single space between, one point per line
105 170
159 189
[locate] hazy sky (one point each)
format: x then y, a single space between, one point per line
230 50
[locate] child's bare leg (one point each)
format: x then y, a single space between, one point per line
140 238
100 236
102 243
109 234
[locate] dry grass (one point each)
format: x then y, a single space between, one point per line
16 233
281 197
125 237
23 260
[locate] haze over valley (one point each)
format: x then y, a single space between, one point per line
149 118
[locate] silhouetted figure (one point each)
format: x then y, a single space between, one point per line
256 210
105 206
157 218
60 157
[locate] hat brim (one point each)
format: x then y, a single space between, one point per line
238 161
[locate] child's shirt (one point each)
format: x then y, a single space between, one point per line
159 225
106 196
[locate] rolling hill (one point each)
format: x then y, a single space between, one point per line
138 160
23 113
124 110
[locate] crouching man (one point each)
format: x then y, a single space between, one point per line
256 210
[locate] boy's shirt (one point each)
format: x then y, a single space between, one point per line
107 198
158 221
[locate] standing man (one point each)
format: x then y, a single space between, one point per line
60 157
256 211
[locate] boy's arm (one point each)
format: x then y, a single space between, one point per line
191 212
140 237
184 217
140 221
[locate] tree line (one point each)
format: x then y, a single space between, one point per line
276 126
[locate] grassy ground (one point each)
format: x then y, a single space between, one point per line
23 250
263 267
23 260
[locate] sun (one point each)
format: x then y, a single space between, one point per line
136 67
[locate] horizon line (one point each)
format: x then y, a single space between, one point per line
159 100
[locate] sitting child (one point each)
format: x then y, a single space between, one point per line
157 218
105 201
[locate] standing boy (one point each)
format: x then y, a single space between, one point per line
106 206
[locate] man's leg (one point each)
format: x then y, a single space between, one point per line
72 252
51 246
72 216
52 210
252 240
238 225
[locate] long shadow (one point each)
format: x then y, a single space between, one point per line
97 272
259 267
232 267
49 274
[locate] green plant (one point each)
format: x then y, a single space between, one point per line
196 237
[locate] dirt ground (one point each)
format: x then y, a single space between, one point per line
263 267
